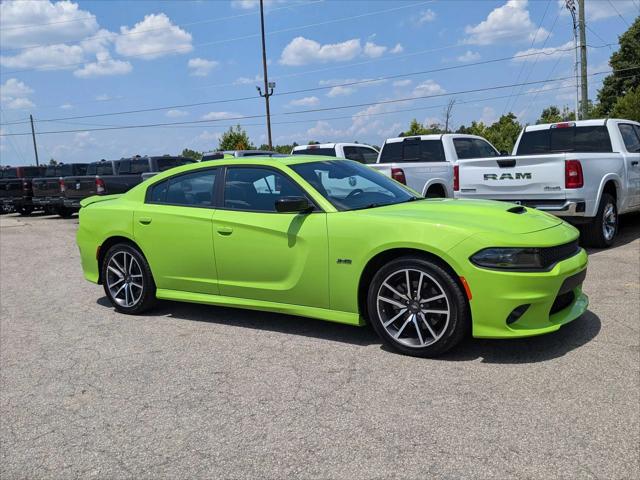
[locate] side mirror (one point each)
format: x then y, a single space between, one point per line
293 205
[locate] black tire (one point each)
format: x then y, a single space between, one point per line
25 211
449 329
64 212
595 233
146 299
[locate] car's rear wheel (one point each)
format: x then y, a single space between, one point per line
417 307
127 279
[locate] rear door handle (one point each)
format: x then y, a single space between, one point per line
225 230
144 220
634 163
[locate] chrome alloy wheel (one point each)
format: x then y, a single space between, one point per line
413 307
609 221
124 279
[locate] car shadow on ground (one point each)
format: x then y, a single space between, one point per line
526 350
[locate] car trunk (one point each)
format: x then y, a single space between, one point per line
507 178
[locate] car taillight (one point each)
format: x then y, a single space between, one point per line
100 188
62 186
573 174
456 178
398 175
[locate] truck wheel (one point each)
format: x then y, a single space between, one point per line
417 307
64 212
602 230
127 279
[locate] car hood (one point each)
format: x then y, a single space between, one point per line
473 215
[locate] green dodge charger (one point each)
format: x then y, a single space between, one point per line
338 241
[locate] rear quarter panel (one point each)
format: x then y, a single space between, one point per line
97 223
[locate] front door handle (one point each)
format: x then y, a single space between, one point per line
144 220
225 230
634 163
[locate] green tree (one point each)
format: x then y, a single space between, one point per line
53 162
553 114
625 63
313 142
628 106
187 152
417 128
236 138
504 133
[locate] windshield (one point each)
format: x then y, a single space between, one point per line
349 185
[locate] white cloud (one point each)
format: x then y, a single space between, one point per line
428 87
34 23
103 97
66 106
14 95
219 115
103 66
600 10
426 16
248 80
548 53
510 21
201 67
374 51
340 91
174 113
324 131
469 56
302 51
402 83
52 57
305 102
397 49
153 37
488 116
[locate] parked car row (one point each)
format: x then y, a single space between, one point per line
58 189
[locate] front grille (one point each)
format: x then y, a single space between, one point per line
552 255
562 301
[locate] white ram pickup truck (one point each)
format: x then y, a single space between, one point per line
586 172
353 151
428 163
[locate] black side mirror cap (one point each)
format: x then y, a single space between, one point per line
293 205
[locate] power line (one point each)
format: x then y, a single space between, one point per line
226 40
616 10
533 40
111 34
314 110
293 92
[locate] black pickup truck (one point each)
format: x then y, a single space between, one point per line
108 177
15 188
48 190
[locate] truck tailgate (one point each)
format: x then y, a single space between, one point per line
517 177
80 187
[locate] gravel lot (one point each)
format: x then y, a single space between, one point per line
194 391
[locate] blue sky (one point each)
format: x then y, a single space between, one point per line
71 59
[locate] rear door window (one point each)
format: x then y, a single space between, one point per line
369 155
413 150
193 189
165 163
140 166
104 168
353 153
630 137
586 139
327 152
473 148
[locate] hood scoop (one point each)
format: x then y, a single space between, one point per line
517 210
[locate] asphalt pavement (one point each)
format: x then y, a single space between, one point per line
193 391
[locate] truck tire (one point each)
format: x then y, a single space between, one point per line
64 212
25 211
602 230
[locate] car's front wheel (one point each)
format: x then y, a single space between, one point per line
127 279
417 307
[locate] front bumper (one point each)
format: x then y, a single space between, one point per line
549 299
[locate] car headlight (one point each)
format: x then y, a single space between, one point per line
509 258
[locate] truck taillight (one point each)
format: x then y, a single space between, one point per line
25 185
62 186
456 178
573 174
398 175
100 188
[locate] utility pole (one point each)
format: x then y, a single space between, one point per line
583 62
571 6
33 135
268 86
